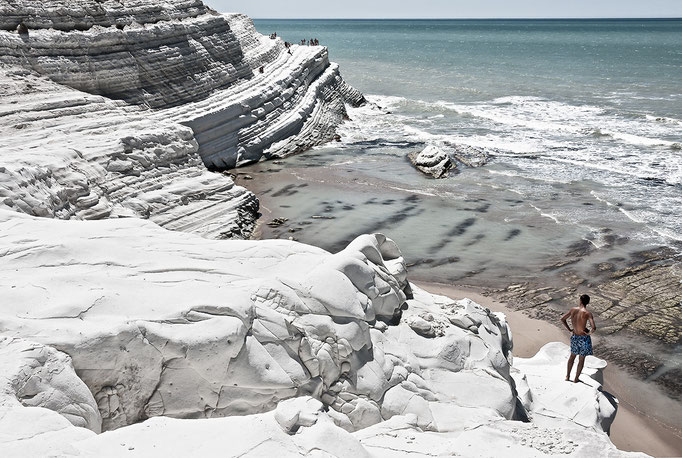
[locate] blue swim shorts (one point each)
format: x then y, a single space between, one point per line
581 345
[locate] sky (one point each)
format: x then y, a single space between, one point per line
451 8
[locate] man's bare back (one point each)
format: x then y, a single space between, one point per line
579 317
581 343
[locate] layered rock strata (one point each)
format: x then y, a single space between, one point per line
637 300
71 155
136 100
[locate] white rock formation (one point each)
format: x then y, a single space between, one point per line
432 161
62 409
292 343
174 344
116 109
554 400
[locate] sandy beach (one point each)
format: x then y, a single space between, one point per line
635 427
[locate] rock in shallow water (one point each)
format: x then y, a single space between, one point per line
432 161
163 323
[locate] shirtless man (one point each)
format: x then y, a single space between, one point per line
581 342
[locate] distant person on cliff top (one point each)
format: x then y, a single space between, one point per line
581 342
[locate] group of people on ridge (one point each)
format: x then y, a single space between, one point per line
304 42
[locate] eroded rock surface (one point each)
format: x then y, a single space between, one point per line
214 329
61 409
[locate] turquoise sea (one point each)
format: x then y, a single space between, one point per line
594 104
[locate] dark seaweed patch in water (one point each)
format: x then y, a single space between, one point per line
443 261
466 275
514 201
348 207
412 199
513 233
580 248
371 201
476 239
439 246
482 209
388 202
462 227
613 239
419 262
288 190
303 185
433 262
400 216
385 224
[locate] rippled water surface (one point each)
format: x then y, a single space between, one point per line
583 121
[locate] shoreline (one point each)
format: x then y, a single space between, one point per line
633 430
472 242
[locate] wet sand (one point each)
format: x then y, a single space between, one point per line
635 429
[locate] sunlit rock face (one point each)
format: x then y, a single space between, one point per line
118 109
293 344
230 328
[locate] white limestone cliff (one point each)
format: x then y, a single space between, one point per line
112 109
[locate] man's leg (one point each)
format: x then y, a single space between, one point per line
570 366
581 363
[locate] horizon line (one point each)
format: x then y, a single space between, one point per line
633 18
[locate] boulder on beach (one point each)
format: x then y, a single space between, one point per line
432 161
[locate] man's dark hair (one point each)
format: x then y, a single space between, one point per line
585 299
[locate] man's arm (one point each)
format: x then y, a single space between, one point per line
594 326
564 318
